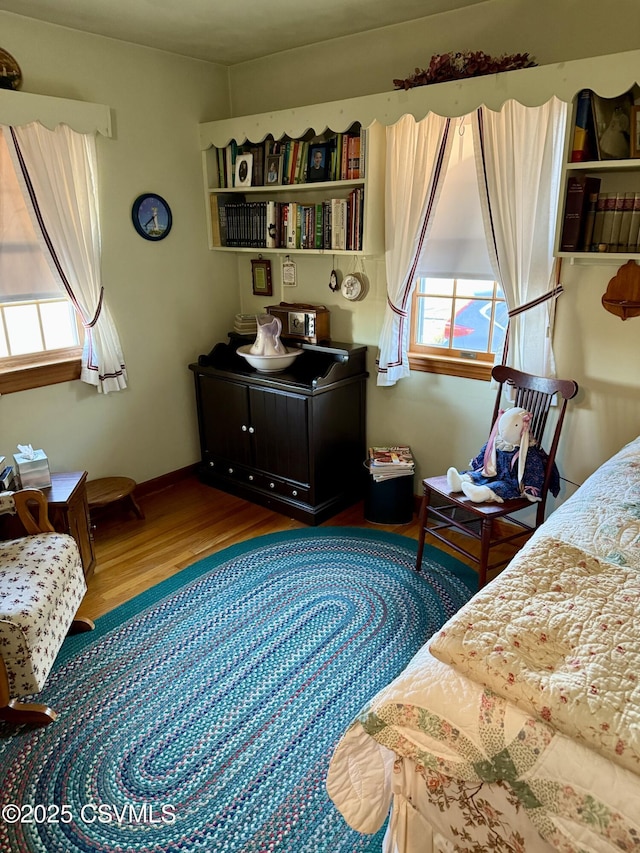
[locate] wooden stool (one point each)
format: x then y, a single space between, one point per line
108 490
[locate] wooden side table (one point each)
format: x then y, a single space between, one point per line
69 512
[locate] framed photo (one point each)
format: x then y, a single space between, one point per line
273 170
261 278
244 167
612 119
151 216
318 165
635 131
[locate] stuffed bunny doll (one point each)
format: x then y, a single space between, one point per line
510 465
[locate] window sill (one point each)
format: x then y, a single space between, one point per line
16 376
466 368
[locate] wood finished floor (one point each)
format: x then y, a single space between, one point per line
183 523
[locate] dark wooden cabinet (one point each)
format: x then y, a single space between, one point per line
292 441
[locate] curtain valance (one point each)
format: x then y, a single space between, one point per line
20 108
607 75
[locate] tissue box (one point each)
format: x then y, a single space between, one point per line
33 473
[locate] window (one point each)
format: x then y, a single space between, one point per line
459 316
40 338
459 321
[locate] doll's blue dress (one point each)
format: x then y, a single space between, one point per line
505 482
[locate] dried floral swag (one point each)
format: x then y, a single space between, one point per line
457 66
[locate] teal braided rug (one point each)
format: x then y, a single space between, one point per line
202 715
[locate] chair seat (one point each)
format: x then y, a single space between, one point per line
488 510
41 587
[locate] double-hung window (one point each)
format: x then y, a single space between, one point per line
459 316
40 338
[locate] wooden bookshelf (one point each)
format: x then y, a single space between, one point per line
351 192
616 227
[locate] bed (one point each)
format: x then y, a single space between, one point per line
517 726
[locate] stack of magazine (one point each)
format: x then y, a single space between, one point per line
388 462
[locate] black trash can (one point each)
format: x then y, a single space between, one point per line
389 501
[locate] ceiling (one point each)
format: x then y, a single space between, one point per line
228 31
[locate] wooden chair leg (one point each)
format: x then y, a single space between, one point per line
21 713
485 547
80 625
422 520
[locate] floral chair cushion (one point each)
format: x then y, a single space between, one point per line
41 586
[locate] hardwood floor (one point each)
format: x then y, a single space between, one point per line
182 524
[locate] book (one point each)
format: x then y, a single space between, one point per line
581 148
338 223
596 237
579 188
586 242
625 222
217 202
617 223
634 225
607 222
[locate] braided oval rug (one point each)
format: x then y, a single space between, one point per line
202 715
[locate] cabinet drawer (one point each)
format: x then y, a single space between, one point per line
279 487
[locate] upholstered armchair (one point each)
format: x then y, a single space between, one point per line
41 587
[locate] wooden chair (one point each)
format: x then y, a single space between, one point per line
478 520
41 586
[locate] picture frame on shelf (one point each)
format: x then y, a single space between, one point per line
635 131
244 169
318 163
261 277
151 217
273 170
612 120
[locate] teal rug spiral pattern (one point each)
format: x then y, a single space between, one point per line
202 715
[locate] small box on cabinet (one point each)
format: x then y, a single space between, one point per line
32 469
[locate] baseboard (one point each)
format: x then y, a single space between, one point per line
165 481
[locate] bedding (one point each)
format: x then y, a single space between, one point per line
508 743
561 641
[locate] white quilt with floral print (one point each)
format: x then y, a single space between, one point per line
460 763
603 516
558 634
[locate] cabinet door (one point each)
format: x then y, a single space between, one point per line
280 437
224 419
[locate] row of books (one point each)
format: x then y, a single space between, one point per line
599 222
341 157
335 224
603 127
385 463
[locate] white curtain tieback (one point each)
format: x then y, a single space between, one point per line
552 294
94 320
399 311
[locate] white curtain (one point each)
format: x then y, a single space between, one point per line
417 158
518 156
58 174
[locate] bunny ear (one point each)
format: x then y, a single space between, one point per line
524 446
489 463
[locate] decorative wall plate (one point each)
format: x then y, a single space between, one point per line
351 287
10 74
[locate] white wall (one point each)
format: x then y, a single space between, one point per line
171 300
445 419
550 31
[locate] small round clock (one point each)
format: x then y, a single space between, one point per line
351 288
